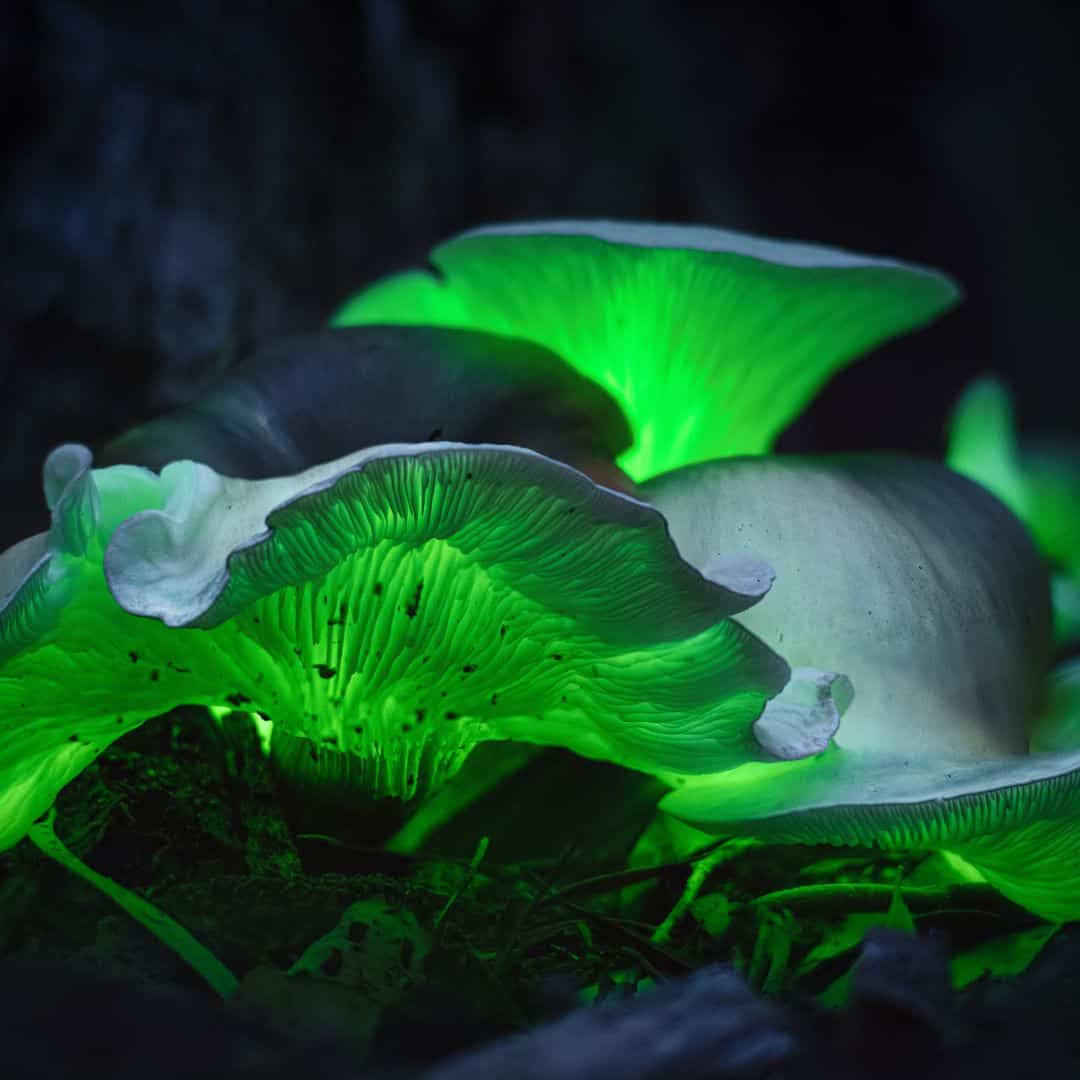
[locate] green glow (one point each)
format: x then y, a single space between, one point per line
485 768
392 618
711 342
1037 478
1014 821
164 927
700 872
1001 957
960 868
264 728
982 444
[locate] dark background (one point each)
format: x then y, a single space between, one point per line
185 180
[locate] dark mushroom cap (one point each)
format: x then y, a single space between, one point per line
319 396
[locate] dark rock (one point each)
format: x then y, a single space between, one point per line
709 1025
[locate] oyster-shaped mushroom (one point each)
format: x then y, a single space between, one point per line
387 610
928 593
711 341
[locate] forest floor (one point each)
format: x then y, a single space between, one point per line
553 891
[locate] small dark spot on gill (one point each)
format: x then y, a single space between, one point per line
73 738
325 671
468 476
297 650
425 660
330 740
502 631
571 510
177 668
154 675
406 728
133 657
494 699
451 716
420 714
377 590
410 779
556 656
468 669
413 606
358 729
237 700
256 619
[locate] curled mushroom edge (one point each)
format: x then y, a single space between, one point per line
387 611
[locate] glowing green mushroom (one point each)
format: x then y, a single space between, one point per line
928 593
711 341
916 584
1037 477
387 610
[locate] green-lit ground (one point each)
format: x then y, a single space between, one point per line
185 813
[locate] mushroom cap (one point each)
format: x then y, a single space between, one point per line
916 583
395 607
928 593
316 397
710 340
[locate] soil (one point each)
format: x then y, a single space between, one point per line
398 962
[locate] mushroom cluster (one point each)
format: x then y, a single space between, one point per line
526 495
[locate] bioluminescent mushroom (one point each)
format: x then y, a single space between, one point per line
928 593
317 397
1038 477
917 585
711 341
388 611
